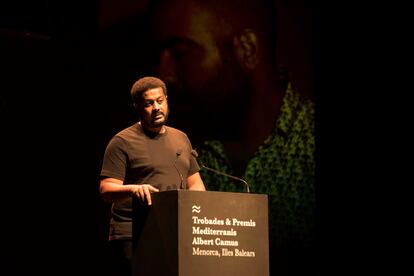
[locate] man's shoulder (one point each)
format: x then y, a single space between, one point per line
174 130
127 132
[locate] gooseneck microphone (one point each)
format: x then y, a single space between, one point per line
195 154
178 153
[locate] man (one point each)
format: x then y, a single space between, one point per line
213 57
142 159
246 119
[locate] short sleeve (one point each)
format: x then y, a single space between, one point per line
115 159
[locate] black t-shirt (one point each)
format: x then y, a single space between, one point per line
138 157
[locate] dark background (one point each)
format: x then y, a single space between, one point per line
66 70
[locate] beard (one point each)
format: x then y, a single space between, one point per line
150 121
159 123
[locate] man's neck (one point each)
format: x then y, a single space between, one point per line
259 123
153 130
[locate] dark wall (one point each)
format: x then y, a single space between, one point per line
52 139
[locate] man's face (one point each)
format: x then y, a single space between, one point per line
202 75
153 109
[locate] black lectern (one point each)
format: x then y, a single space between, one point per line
187 233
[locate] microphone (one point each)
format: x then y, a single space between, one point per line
195 154
178 153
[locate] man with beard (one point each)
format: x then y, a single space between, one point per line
219 70
143 159
218 59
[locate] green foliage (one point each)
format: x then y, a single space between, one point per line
283 168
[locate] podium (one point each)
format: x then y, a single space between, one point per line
202 233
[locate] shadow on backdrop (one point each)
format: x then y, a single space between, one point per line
239 78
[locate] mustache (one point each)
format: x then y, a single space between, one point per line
155 114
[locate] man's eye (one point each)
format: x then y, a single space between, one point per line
180 49
160 101
179 52
148 103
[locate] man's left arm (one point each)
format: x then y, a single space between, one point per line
195 182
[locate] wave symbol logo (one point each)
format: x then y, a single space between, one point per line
196 209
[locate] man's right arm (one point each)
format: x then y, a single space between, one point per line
112 190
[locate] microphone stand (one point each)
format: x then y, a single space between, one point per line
228 175
178 153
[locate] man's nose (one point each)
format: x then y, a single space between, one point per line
167 66
156 106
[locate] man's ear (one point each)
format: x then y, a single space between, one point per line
247 48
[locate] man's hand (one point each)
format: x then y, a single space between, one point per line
143 192
114 190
